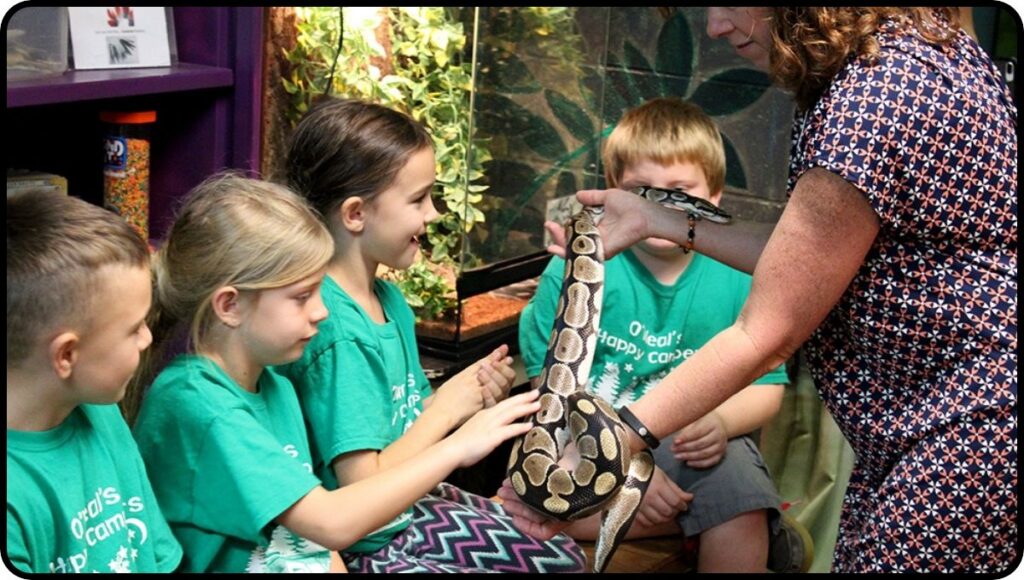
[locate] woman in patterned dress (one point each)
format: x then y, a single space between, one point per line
894 264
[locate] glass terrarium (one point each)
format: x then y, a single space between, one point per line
519 101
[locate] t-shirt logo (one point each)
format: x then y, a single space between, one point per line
96 524
406 401
287 553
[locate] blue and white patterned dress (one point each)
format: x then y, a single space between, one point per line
917 362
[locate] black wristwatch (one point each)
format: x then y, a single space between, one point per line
630 419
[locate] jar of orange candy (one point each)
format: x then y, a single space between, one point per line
126 166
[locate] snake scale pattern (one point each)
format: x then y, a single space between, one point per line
608 478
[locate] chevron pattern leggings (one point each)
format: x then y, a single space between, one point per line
456 531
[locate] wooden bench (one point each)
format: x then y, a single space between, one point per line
664 554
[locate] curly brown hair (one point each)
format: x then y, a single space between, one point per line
810 45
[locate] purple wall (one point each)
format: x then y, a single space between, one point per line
208 111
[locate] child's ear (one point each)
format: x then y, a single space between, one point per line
353 214
226 306
63 353
716 197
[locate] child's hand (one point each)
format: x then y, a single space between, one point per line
570 456
489 428
701 443
528 520
663 500
496 376
462 395
480 385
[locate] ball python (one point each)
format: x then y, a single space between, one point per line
608 478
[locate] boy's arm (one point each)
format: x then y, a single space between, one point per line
703 442
750 408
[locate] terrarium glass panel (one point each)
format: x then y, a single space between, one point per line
519 101
552 82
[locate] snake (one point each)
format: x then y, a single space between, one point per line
608 478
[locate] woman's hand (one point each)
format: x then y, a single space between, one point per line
627 219
702 443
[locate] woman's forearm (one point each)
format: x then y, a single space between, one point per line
814 252
737 244
721 368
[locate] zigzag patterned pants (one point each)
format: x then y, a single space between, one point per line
456 531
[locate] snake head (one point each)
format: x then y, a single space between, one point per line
596 213
697 207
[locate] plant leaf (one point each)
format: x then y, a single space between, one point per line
730 91
734 172
570 115
502 69
674 55
500 115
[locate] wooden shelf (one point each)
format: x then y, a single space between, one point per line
85 85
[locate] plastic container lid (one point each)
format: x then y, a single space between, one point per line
128 118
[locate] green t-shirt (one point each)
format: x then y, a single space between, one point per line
78 499
647 328
226 463
361 385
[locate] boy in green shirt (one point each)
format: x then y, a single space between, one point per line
78 290
662 303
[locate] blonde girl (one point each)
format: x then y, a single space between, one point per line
222 433
369 171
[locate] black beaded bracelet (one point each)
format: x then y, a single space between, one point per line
630 419
690 234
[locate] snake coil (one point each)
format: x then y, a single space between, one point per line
608 478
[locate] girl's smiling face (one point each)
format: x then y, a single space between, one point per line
398 217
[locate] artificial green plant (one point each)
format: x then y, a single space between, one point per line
410 59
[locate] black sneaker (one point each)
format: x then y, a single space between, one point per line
791 549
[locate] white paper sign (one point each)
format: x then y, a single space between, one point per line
119 37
